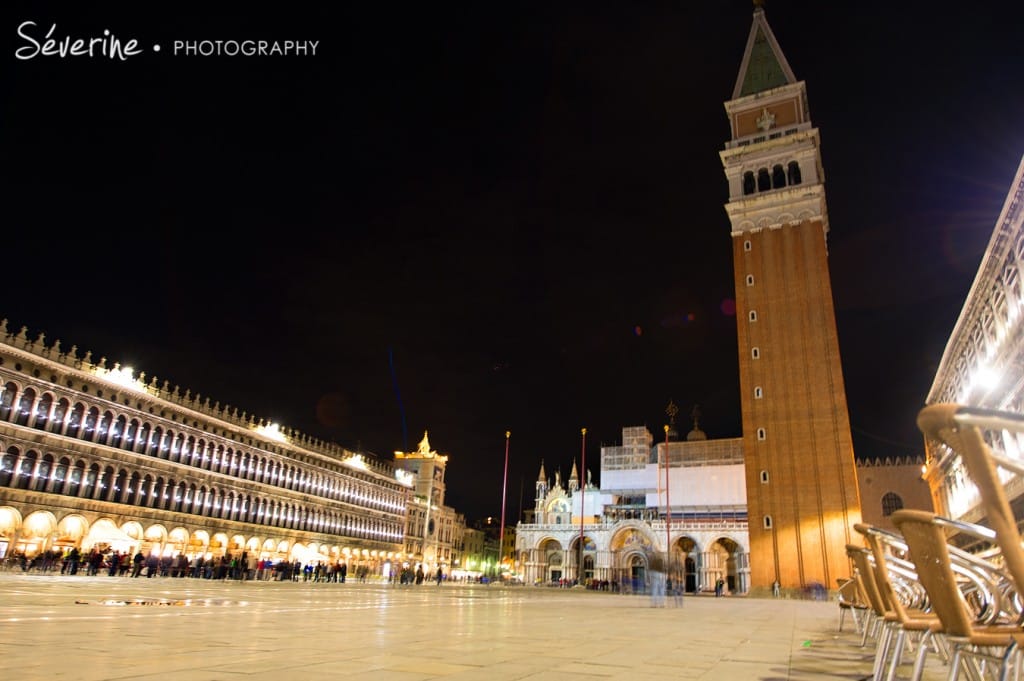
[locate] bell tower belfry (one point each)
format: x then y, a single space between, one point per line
801 477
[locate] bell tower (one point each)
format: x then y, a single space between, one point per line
802 494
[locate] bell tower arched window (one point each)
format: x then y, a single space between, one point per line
794 172
748 183
778 177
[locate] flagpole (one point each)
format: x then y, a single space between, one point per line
583 487
668 514
504 488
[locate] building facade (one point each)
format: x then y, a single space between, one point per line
801 478
97 456
983 362
889 484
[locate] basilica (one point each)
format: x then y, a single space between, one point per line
677 503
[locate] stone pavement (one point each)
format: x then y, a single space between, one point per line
110 628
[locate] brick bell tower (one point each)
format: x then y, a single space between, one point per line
802 494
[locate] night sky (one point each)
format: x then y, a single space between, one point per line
471 218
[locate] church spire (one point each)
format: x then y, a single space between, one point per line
764 66
542 491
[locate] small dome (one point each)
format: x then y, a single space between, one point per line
696 434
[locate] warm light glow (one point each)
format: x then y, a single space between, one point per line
272 431
356 461
122 376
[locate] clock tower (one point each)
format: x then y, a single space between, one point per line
802 494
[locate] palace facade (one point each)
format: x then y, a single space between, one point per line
95 455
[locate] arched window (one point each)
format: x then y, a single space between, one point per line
75 482
167 503
778 177
10 391
75 420
118 494
764 180
43 476
165 444
23 410
146 492
60 474
891 502
794 172
90 423
106 484
154 442
179 496
43 411
142 440
158 493
129 435
104 428
117 431
26 470
176 447
59 412
748 183
131 494
7 464
89 485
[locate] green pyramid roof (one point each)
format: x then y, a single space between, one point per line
764 66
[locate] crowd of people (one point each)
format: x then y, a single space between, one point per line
116 563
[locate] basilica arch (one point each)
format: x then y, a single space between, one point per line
709 557
631 547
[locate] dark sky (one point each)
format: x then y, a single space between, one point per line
476 217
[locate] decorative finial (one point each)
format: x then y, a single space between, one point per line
695 414
671 410
758 4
